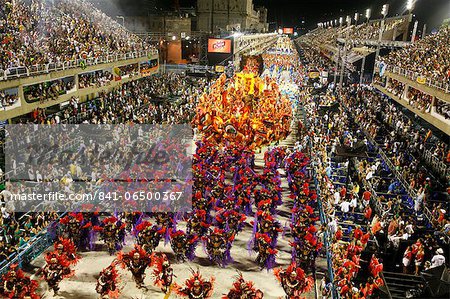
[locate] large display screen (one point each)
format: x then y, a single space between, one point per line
219 45
288 30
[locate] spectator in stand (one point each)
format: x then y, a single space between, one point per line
428 57
443 108
420 100
438 259
94 79
7 100
73 30
50 90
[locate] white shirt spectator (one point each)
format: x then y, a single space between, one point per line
354 202
437 260
332 226
38 176
337 197
345 206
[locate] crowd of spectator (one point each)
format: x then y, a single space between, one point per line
137 101
420 100
7 99
95 79
400 140
49 90
396 87
342 202
365 31
428 57
316 60
129 69
371 30
443 108
18 229
356 216
41 32
395 219
165 98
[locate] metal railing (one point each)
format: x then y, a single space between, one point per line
437 164
433 83
410 191
374 42
31 249
39 69
323 217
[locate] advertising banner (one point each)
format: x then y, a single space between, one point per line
219 46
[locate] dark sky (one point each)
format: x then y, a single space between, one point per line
293 12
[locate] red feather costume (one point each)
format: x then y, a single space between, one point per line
293 280
16 285
196 287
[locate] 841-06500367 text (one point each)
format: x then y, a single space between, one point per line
139 196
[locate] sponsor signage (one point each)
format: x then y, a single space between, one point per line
219 45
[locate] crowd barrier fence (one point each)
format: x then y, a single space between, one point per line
443 86
39 69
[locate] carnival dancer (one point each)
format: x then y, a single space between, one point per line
196 287
163 273
77 229
148 235
293 280
218 245
15 285
137 262
264 246
112 232
131 219
242 289
230 220
197 223
56 269
66 248
108 283
183 245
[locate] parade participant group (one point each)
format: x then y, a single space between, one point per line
237 121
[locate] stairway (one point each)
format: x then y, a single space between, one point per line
399 283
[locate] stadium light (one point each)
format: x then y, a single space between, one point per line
341 19
348 20
385 10
356 17
368 11
410 5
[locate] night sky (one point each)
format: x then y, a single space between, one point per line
291 13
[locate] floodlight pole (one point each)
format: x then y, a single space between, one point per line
339 54
344 58
380 37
